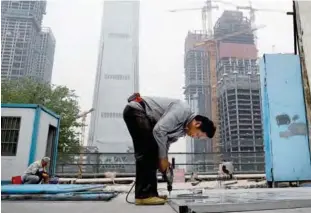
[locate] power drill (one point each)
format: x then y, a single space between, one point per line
169 176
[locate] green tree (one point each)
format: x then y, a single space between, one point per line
59 99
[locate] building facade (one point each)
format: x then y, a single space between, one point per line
20 38
196 92
46 48
117 76
238 92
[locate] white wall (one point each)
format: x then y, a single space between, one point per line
118 56
45 121
15 165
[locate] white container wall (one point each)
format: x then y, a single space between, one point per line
29 132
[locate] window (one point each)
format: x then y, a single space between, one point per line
117 77
9 135
111 115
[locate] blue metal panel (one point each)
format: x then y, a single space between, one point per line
48 188
30 106
265 121
5 182
53 114
19 106
285 129
56 147
34 137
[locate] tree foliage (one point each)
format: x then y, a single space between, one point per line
59 99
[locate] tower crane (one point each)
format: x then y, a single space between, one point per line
206 10
252 11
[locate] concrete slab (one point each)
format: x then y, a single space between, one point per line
117 205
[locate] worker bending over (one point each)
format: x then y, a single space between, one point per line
36 172
155 123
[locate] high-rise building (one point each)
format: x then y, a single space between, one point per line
117 76
20 38
239 92
46 50
196 91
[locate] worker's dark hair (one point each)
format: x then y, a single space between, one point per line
207 125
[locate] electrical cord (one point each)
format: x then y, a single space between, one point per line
128 193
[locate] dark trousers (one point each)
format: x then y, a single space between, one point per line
146 152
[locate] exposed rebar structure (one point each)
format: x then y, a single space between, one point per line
195 90
234 21
238 92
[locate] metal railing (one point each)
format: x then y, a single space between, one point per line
124 163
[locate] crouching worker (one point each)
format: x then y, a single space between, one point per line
155 123
36 172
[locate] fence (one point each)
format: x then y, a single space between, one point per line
124 163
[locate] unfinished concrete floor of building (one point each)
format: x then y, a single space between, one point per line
215 196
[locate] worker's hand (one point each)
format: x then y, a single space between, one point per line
163 164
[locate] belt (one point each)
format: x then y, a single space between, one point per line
136 98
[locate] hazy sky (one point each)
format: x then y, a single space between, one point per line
76 26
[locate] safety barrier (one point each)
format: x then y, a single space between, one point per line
124 163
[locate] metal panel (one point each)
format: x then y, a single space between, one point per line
285 130
242 200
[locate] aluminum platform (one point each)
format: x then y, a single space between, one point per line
243 200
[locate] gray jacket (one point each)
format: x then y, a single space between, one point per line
170 117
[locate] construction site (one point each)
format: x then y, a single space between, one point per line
222 77
258 160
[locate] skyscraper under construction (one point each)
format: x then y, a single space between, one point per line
238 92
195 91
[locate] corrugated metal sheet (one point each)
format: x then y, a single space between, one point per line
247 51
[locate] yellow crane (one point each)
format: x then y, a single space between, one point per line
83 115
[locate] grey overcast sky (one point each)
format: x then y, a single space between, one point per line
76 26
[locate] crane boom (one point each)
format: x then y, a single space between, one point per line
205 13
229 35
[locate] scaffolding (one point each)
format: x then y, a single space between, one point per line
196 91
234 21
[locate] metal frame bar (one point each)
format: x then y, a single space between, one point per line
240 207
